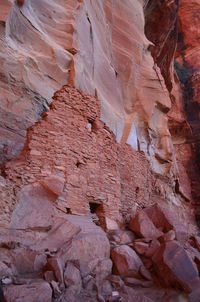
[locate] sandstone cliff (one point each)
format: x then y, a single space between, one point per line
99 150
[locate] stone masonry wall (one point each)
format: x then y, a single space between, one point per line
74 155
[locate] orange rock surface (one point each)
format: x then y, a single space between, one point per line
99 149
91 46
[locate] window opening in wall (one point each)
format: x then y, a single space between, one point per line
137 190
89 125
95 210
93 207
68 211
177 190
78 164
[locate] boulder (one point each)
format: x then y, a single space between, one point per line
110 225
62 233
106 288
116 281
89 283
55 265
102 269
47 242
54 184
152 248
136 282
89 244
140 247
39 291
49 276
72 277
174 267
55 287
123 237
27 261
167 220
145 273
126 261
143 226
35 209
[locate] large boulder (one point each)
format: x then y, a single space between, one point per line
39 291
167 220
174 267
143 226
126 261
89 244
70 238
54 184
35 210
61 234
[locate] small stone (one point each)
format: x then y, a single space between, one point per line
106 288
145 273
56 289
115 293
116 282
136 282
140 247
6 281
35 153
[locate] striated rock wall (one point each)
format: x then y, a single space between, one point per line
187 67
119 136
90 45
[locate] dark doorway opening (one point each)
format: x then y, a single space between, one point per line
93 207
68 211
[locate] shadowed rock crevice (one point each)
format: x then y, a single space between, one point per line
161 29
188 73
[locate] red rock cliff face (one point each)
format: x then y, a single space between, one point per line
92 46
187 66
117 138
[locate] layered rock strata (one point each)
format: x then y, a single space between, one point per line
98 158
187 67
91 46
